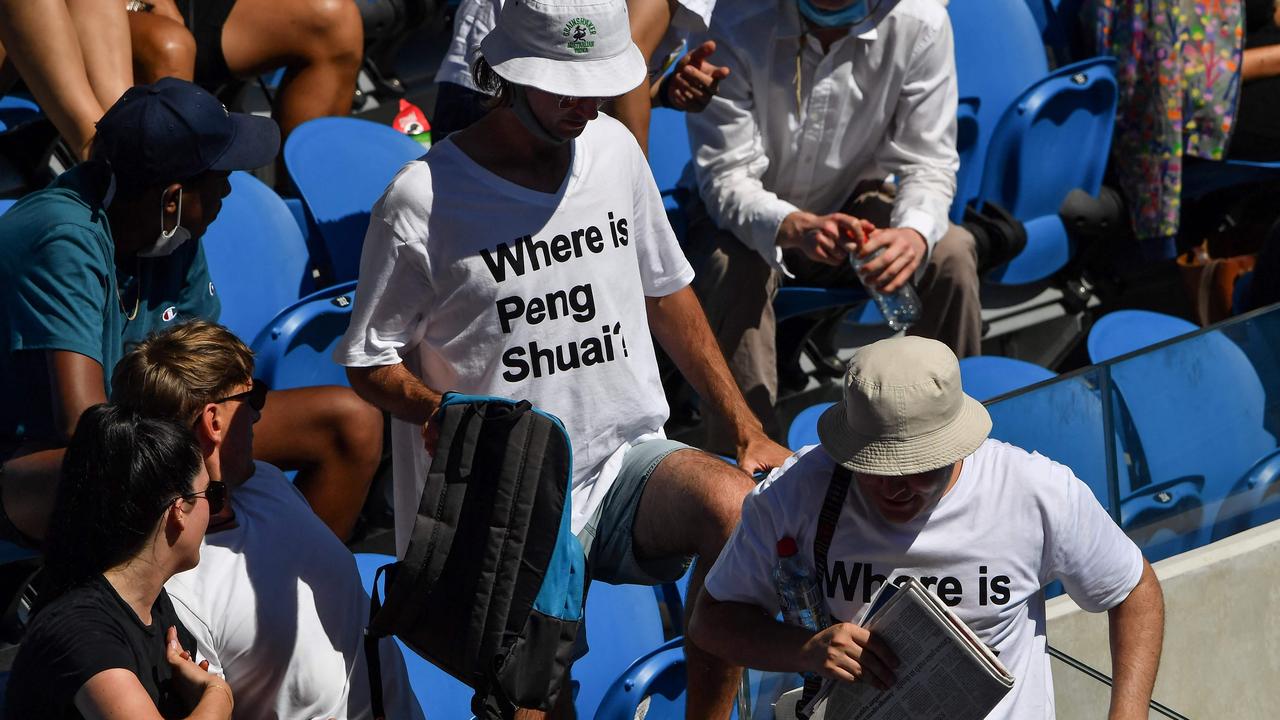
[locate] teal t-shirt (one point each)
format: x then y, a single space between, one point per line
174 289
57 292
60 290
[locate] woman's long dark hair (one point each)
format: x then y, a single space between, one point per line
120 473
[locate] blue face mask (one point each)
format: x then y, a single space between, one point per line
859 15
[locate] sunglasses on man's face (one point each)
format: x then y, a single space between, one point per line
215 493
256 396
567 101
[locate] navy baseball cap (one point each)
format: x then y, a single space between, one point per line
173 130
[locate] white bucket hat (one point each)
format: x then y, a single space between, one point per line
581 48
903 411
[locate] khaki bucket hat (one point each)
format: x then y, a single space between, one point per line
903 410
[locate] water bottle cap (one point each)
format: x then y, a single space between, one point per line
787 547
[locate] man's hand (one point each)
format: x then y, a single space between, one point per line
849 652
759 453
824 238
695 80
904 250
431 435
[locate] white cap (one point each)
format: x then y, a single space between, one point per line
581 48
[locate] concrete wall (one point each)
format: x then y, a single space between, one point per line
1222 635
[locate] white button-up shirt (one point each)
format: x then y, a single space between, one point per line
793 128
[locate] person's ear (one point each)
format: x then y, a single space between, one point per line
211 426
175 521
169 200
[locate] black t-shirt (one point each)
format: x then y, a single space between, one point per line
1259 23
87 630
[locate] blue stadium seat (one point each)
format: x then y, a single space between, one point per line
295 349
257 256
969 175
804 427
622 624
988 376
1200 177
659 676
1121 332
1059 22
15 110
341 166
1054 138
5 204
999 54
1198 412
440 694
669 154
669 150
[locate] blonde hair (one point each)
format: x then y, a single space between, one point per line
175 371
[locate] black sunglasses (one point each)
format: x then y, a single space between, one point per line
215 493
256 396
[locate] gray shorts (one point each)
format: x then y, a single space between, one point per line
608 537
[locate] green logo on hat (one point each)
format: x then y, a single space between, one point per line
578 30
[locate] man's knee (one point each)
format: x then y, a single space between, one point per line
162 48
357 426
725 487
333 29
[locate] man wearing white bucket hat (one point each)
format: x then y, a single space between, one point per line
529 256
919 490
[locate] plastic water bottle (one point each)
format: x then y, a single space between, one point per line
901 309
797 589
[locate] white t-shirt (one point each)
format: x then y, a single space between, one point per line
481 286
475 18
1014 522
471 22
276 607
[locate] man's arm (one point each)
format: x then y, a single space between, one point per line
920 149
729 153
680 326
394 389
1137 634
76 384
744 634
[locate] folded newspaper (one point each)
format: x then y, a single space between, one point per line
944 670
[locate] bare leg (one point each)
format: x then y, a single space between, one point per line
333 439
691 504
103 29
320 42
41 41
649 21
162 46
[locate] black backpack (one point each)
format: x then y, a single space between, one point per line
491 587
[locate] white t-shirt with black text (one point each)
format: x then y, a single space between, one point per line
482 286
277 608
1014 522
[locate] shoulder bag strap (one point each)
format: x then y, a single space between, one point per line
832 504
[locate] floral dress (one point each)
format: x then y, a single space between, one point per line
1179 77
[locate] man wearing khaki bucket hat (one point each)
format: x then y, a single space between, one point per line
919 490
529 256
